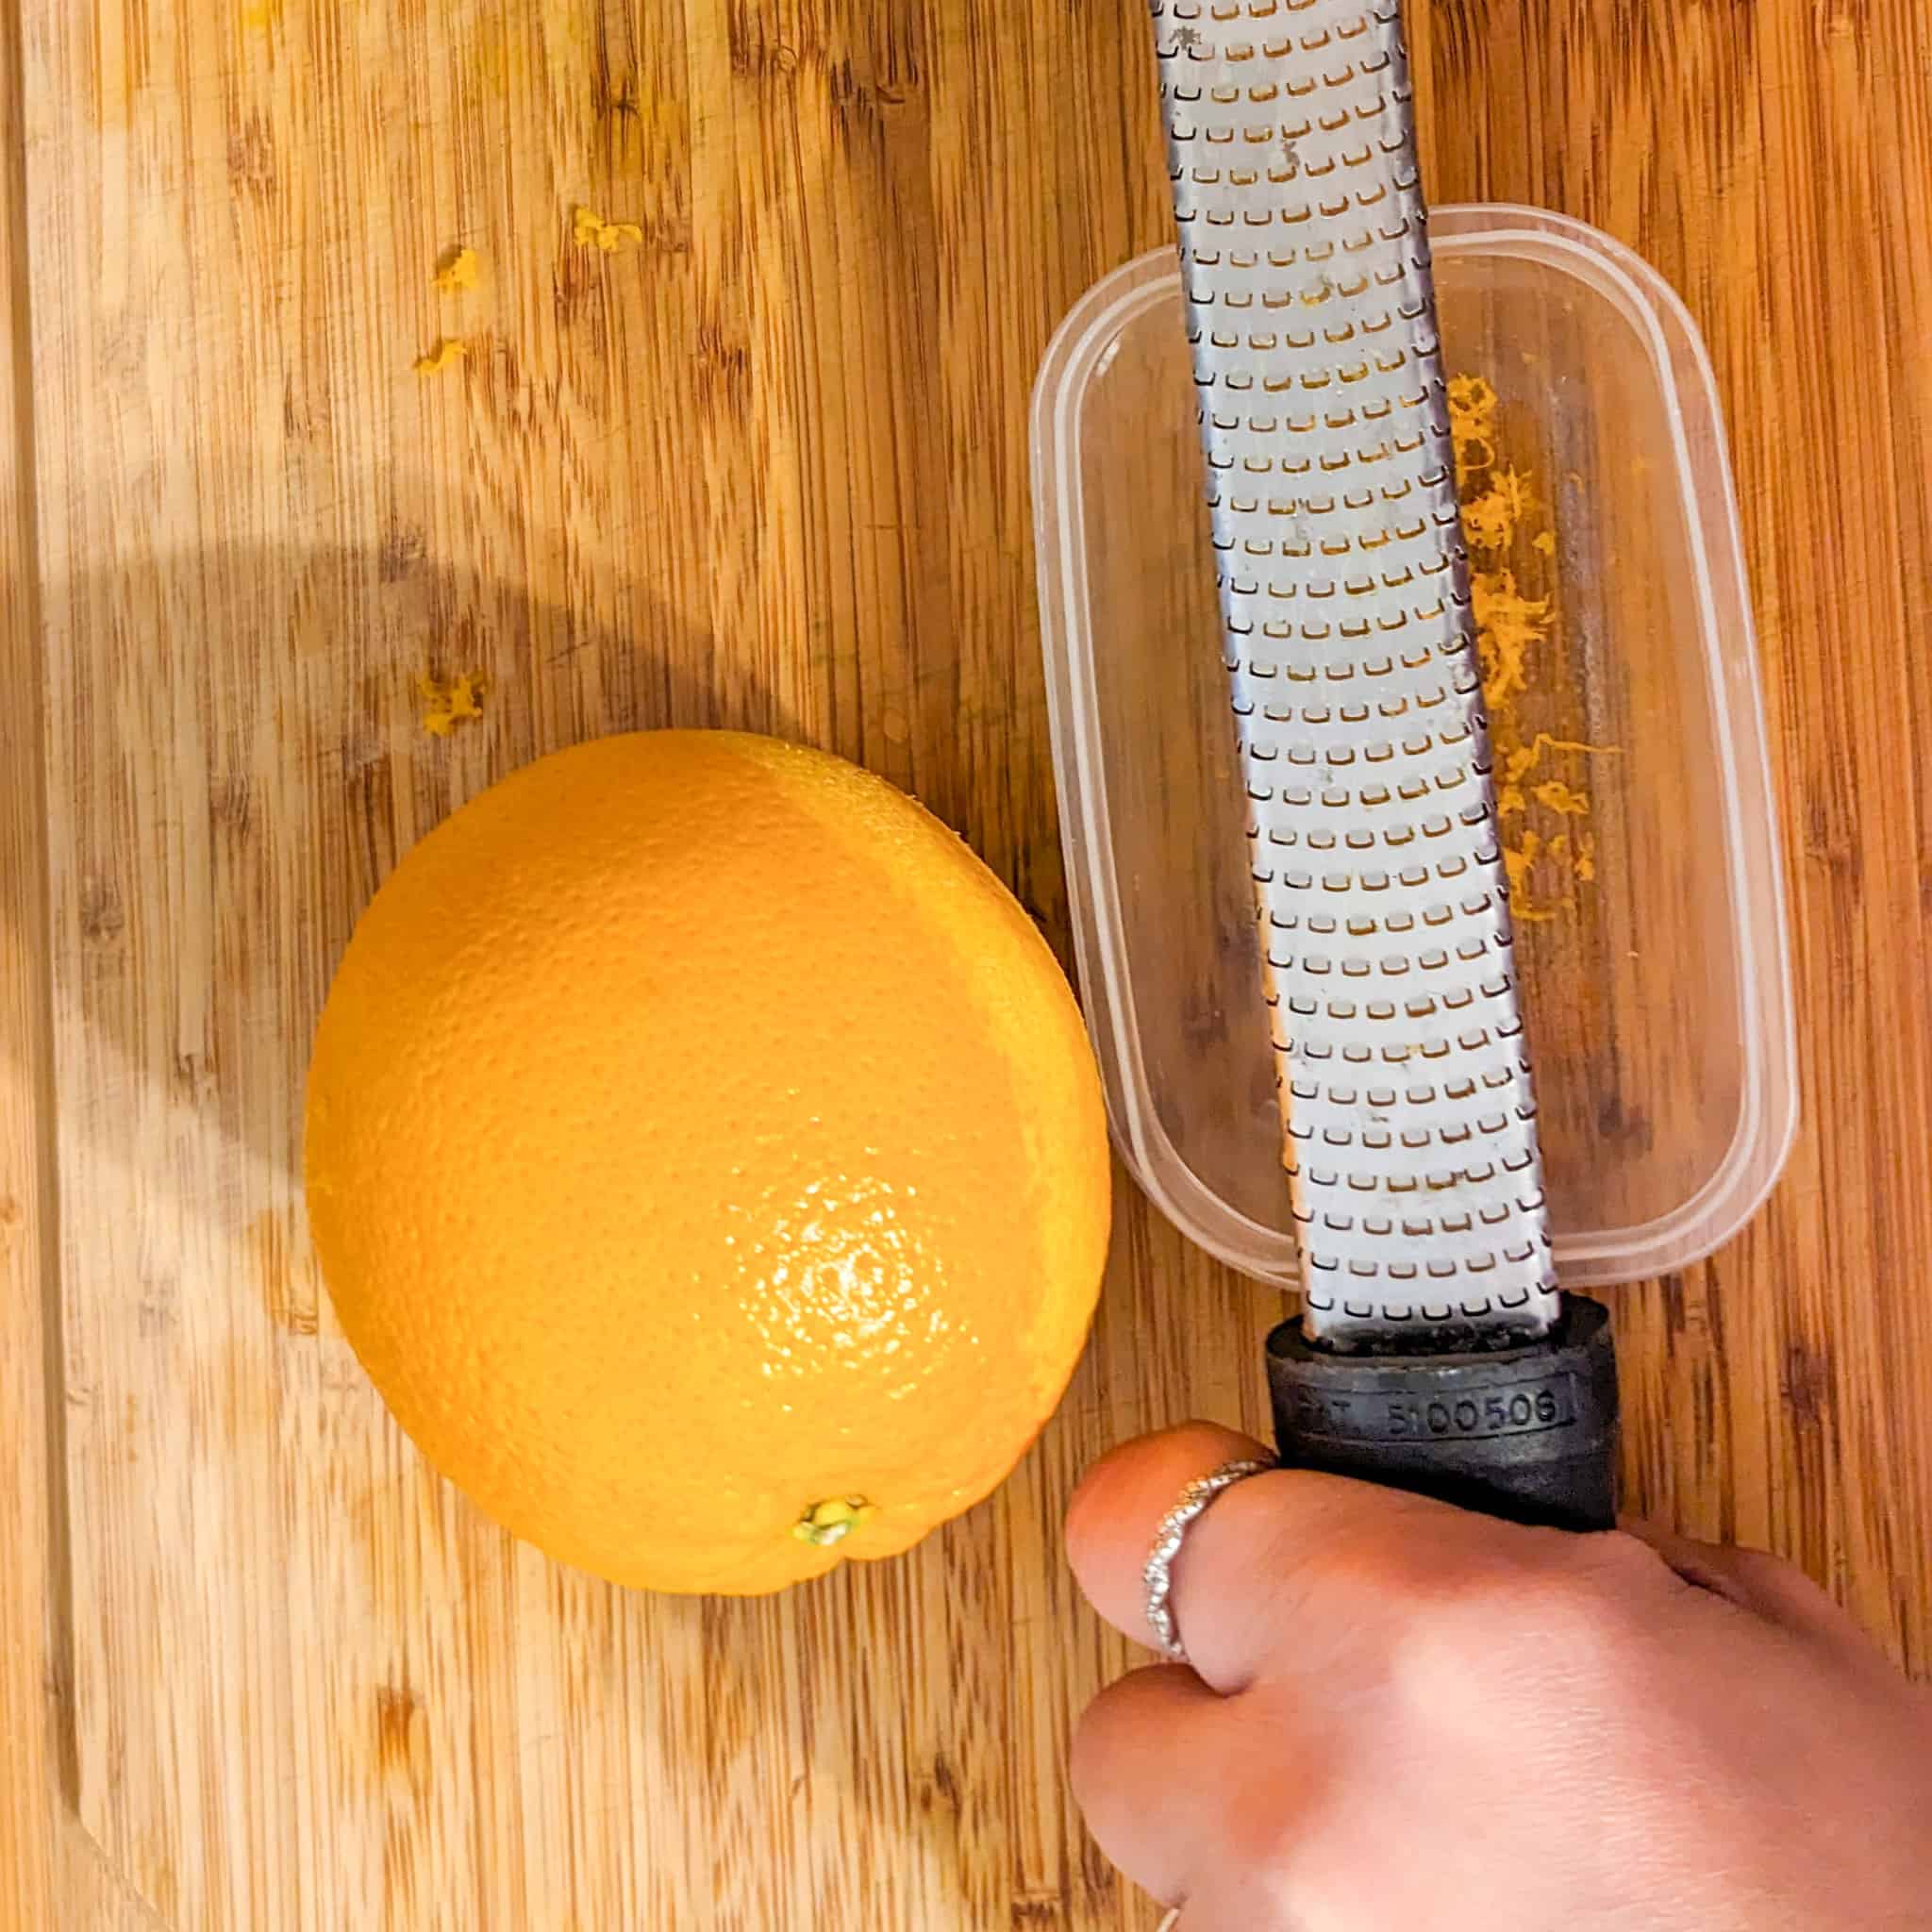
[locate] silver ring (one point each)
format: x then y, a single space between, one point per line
1167 1546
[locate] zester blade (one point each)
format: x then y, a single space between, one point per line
1410 1137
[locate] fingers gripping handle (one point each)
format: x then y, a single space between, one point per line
1529 1434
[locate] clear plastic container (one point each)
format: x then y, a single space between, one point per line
1658 991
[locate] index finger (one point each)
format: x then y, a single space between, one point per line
1249 1561
1119 1503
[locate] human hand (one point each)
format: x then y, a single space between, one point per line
1404 1717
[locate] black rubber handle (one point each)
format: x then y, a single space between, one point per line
1529 1433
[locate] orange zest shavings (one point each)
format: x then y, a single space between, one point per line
446 355
1546 862
457 270
588 229
445 705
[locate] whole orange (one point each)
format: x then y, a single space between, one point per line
706 1161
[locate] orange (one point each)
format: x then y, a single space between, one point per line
706 1163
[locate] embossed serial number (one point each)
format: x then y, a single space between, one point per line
1439 1418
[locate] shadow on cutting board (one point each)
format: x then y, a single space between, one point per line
295 1666
237 758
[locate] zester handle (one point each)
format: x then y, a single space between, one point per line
1528 1434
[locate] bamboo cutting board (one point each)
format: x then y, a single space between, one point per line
767 469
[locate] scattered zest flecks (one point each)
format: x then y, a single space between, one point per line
445 705
588 229
1546 861
457 270
446 355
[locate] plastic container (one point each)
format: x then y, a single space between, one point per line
1658 992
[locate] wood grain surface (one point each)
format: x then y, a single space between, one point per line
767 469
